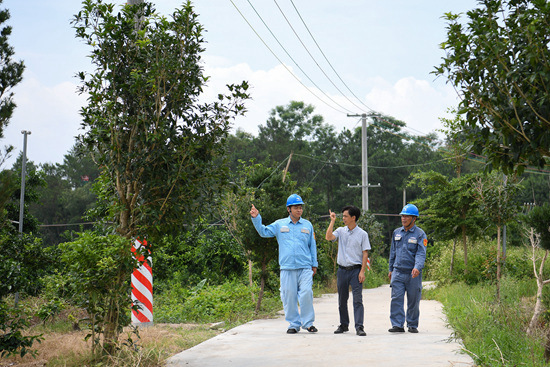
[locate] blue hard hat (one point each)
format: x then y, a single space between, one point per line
409 209
294 199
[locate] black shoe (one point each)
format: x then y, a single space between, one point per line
396 329
291 331
361 332
341 329
413 330
312 329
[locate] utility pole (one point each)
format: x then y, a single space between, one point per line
22 196
287 164
23 175
364 164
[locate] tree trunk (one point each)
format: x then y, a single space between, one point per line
250 273
539 307
110 334
465 245
452 258
498 264
250 282
262 286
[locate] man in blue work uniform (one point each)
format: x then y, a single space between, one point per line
353 254
407 256
298 262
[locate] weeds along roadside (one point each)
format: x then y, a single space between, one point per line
493 333
183 318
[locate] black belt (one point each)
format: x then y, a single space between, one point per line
358 266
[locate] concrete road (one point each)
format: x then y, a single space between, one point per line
265 342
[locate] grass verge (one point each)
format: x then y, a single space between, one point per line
492 332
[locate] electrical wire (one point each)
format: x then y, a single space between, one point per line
330 64
280 61
313 58
294 61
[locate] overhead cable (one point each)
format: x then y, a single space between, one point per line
313 58
280 61
294 61
330 64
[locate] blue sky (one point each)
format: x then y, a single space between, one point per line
384 51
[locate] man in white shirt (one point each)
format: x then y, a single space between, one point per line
353 246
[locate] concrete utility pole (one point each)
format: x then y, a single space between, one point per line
22 196
364 164
23 175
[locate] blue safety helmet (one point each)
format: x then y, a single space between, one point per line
294 199
409 209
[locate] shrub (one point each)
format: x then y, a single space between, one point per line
481 264
201 253
99 269
229 302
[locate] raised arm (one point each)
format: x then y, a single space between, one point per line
329 236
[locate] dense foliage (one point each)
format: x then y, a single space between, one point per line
499 61
98 272
155 142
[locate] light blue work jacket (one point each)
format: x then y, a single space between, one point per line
297 246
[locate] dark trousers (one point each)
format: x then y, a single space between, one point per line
345 278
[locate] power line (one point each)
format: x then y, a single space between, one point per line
313 58
378 167
295 63
330 64
278 59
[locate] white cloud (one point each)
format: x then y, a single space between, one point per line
419 103
52 116
52 113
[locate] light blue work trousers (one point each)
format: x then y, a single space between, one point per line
296 287
402 282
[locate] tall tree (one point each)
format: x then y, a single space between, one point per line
496 195
155 143
292 129
11 72
451 210
67 196
500 62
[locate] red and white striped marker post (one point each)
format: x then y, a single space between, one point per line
142 288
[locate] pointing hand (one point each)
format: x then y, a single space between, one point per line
254 212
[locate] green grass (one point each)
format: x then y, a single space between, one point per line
232 302
494 333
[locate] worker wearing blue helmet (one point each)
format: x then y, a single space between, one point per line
297 260
407 257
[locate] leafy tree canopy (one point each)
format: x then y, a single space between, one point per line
500 62
155 143
11 72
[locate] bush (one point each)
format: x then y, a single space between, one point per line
378 274
229 302
99 268
201 253
481 263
